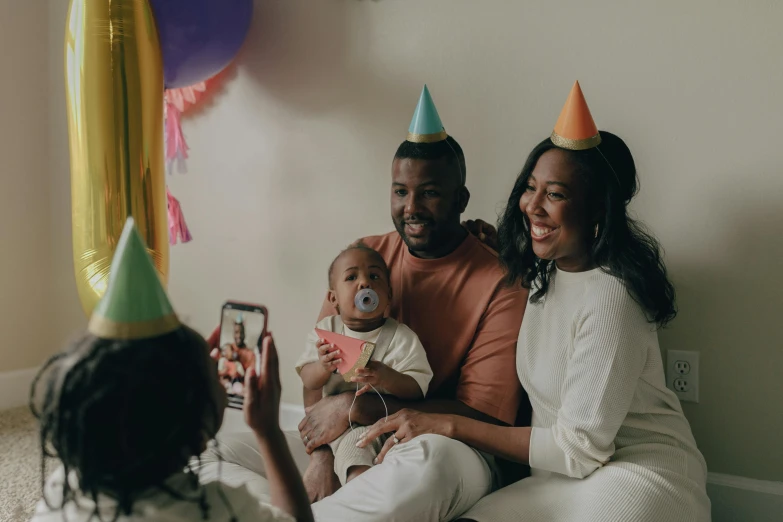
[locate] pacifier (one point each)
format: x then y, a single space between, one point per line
366 300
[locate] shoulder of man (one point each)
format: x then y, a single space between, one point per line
491 251
485 259
392 240
491 275
382 243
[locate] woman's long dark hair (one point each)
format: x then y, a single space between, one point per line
127 415
623 247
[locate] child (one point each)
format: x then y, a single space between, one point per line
127 431
230 370
242 352
398 366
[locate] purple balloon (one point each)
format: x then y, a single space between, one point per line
199 38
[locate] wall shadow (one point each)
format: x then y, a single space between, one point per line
304 54
730 311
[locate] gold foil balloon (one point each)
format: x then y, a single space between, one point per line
114 84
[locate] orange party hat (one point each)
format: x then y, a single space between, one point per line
575 129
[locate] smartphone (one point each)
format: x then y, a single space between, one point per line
243 327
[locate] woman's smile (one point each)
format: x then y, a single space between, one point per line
541 232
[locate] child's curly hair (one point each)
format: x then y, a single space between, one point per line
126 415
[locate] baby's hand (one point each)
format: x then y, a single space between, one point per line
374 374
327 355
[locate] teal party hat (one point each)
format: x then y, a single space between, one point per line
135 305
426 126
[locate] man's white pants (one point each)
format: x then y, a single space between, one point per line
430 478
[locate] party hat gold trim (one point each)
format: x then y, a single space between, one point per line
108 329
575 128
361 362
426 126
427 138
583 144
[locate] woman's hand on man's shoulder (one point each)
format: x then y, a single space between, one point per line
486 233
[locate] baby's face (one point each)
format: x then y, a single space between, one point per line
228 352
356 270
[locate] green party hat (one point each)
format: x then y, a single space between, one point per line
426 126
135 305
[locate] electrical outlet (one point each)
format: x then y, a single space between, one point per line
682 374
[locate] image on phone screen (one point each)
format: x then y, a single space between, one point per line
241 326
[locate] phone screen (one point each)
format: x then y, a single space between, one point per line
241 328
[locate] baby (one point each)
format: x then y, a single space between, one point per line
398 366
230 369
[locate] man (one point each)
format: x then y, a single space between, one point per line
449 288
243 351
233 358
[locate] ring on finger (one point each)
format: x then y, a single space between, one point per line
395 439
306 439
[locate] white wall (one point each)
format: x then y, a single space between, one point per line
69 319
324 91
25 279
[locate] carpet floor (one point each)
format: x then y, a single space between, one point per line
20 465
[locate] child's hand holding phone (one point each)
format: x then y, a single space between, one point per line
262 391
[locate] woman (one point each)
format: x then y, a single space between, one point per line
608 441
126 428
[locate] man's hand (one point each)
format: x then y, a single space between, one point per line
319 479
374 374
324 421
484 231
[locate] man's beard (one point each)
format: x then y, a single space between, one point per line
439 234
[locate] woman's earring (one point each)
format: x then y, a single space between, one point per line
596 230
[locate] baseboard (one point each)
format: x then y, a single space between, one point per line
15 387
290 415
741 499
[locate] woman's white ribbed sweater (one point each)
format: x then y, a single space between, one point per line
609 440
